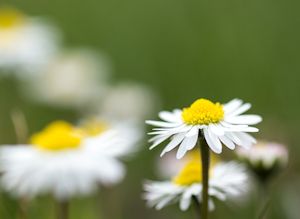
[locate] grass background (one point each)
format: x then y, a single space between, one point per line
184 49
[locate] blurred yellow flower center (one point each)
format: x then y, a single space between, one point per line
10 18
58 136
192 172
93 127
203 112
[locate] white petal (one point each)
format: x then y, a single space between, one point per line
217 129
164 202
173 143
168 116
211 205
161 124
213 141
227 142
186 198
232 105
240 110
240 128
246 139
184 202
193 131
218 194
244 119
233 137
171 131
190 142
181 151
159 141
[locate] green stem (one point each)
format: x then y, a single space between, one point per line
205 177
197 207
20 125
63 209
265 200
21 130
264 210
23 208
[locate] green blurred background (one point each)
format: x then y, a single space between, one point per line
184 49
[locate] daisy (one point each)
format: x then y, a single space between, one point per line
26 43
59 161
227 180
264 158
218 124
137 100
73 79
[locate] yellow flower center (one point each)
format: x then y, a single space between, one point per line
203 112
192 172
58 136
10 18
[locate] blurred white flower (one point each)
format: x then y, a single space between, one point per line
62 160
227 180
129 101
26 44
265 157
218 124
74 79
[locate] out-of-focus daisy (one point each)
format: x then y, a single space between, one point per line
129 101
264 158
75 78
26 43
62 160
227 180
218 124
169 165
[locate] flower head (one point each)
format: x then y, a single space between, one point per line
26 44
218 124
64 160
73 79
227 180
264 158
129 101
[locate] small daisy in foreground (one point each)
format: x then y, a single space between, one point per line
26 43
265 158
218 124
61 160
227 180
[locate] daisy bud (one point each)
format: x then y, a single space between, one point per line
264 158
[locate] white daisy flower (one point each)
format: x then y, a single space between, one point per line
218 124
26 43
227 180
264 158
73 79
59 161
138 102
